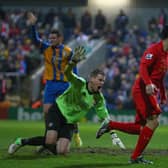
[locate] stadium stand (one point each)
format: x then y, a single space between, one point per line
116 47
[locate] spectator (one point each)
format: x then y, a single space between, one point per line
121 21
69 24
100 21
86 23
162 18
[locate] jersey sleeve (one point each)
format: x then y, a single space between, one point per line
100 106
76 80
37 40
147 60
72 77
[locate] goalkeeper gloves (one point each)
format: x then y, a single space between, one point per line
116 140
79 54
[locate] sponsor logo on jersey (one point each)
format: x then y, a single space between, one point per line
149 56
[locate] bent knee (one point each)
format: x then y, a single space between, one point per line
51 137
46 108
156 123
153 122
62 151
50 141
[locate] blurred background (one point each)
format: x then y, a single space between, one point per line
115 34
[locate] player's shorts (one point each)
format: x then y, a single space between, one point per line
53 89
56 121
145 106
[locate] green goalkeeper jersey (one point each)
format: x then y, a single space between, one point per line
76 101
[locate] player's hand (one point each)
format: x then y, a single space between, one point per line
151 89
79 54
31 18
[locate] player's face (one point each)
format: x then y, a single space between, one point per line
96 83
54 39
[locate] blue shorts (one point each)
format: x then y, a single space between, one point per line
53 89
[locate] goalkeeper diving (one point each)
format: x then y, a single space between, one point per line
69 108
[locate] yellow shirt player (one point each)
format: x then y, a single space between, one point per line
56 57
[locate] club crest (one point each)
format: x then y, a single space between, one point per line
149 56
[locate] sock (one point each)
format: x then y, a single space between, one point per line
76 134
144 138
76 130
34 141
130 128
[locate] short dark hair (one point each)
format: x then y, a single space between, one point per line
164 32
55 31
96 72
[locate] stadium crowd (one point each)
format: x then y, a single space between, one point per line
125 45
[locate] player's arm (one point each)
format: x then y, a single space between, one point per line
100 107
68 70
35 36
79 54
103 113
32 21
147 60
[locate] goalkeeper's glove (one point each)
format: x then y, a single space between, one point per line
103 128
116 140
79 54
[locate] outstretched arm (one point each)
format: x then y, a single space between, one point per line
79 54
32 21
31 18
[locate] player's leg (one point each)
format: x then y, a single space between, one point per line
63 146
131 128
60 87
20 142
53 124
46 107
59 133
76 136
49 100
65 136
49 139
145 137
147 115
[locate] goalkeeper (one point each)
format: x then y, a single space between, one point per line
69 108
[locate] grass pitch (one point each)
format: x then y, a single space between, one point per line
94 153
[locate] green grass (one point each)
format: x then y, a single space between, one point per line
87 157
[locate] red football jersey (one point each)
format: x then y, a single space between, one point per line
153 67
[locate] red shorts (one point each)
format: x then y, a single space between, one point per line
145 105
